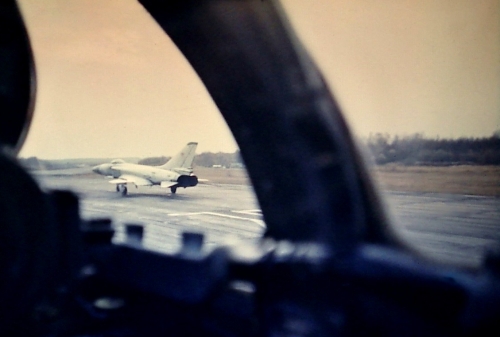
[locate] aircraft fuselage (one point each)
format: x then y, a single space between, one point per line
177 172
154 175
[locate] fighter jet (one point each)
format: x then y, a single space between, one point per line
177 172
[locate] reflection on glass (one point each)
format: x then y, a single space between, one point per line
114 92
418 82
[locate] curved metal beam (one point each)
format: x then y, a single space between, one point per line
17 77
307 175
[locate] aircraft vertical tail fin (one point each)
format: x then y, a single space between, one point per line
183 159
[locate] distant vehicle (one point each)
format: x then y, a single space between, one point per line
177 172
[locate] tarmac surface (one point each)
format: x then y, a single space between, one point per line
451 228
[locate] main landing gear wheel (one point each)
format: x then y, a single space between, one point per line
173 190
122 189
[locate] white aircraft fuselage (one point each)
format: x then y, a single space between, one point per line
177 172
154 175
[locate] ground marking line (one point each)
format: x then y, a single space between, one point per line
250 211
185 214
259 222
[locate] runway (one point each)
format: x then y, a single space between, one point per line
226 214
452 228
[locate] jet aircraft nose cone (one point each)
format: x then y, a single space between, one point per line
96 169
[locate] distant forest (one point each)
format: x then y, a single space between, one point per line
384 149
205 159
418 150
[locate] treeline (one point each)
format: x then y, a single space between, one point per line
418 150
205 159
384 148
209 159
34 163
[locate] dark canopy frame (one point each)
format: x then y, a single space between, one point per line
308 177
310 182
306 172
17 78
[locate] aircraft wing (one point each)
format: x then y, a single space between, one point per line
166 184
124 179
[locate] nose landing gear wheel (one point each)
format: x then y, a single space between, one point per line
173 190
122 188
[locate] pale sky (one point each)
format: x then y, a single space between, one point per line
112 84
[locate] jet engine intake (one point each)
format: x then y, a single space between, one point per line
187 181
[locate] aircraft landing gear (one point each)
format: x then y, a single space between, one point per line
121 188
173 190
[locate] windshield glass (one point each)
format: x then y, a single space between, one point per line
113 91
419 83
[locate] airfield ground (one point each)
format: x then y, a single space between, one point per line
452 227
462 179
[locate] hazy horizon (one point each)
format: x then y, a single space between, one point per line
125 157
112 84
